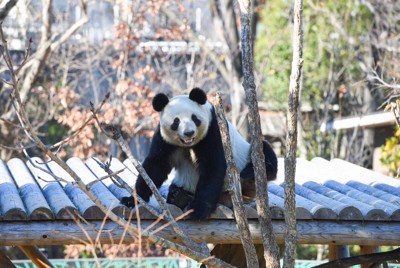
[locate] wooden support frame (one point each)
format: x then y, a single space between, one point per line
211 231
36 256
367 250
5 261
338 252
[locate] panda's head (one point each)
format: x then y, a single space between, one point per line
184 120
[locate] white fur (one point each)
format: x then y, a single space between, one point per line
186 173
182 107
240 148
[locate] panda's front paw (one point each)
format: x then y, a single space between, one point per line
128 201
201 210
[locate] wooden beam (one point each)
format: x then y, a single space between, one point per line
36 256
5 261
212 231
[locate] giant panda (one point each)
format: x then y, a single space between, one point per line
188 140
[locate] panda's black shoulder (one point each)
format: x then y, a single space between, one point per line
213 137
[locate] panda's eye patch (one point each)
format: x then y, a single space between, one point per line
196 121
175 124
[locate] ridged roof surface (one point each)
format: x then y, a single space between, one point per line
325 190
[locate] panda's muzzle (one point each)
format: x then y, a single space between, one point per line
188 139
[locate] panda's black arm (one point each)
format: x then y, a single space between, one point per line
212 169
157 166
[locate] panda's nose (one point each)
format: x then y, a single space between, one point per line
189 133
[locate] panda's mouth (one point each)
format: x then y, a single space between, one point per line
187 141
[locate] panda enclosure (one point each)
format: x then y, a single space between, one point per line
321 220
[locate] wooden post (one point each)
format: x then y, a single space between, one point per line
338 252
367 250
36 256
332 252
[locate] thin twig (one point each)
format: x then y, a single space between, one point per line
94 112
109 176
131 191
44 170
17 148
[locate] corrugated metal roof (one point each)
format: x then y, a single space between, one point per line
325 190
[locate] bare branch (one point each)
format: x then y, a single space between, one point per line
235 189
16 148
94 115
6 9
221 68
271 250
131 191
291 137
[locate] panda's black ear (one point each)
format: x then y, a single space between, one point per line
160 101
198 95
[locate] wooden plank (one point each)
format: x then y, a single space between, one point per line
11 205
388 208
63 232
86 207
36 205
36 256
59 202
316 210
97 187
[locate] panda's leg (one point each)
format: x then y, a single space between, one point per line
212 170
157 165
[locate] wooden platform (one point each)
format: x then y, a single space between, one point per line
337 203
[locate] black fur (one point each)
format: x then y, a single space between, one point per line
198 95
271 164
160 101
212 168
